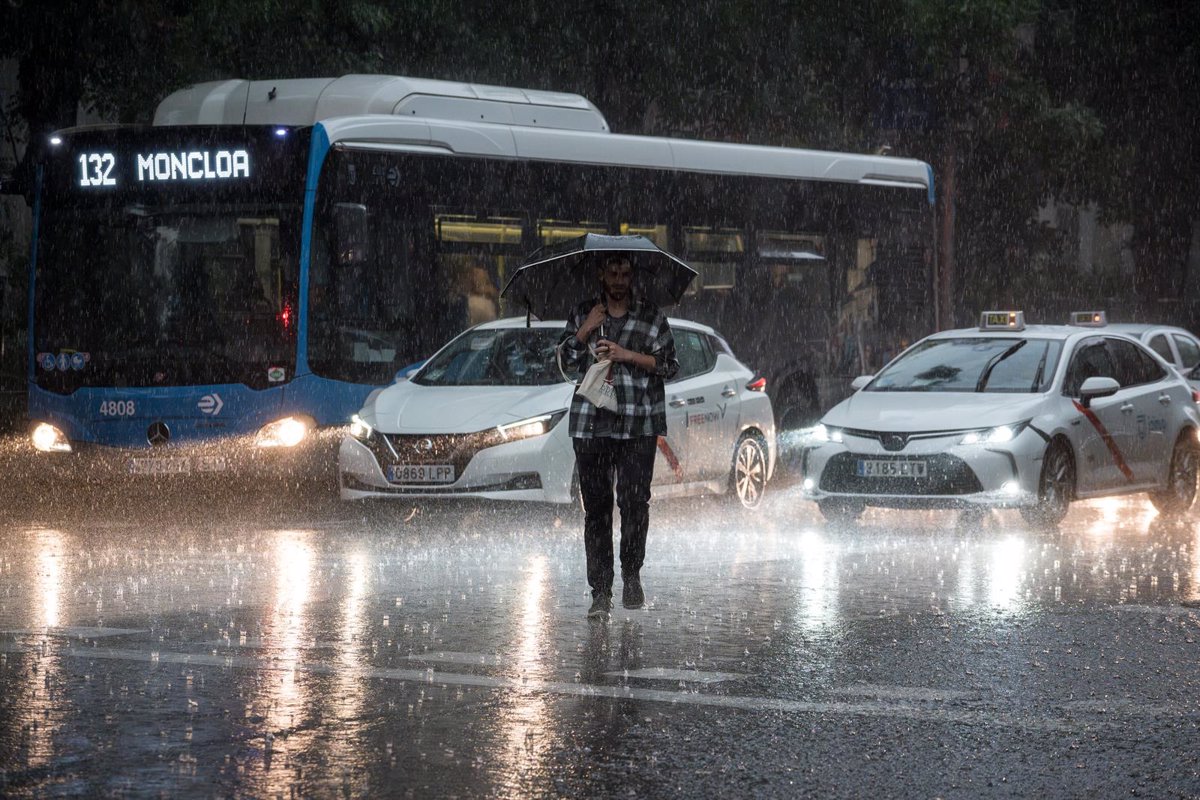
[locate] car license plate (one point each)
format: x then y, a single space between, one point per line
177 465
421 473
872 468
160 466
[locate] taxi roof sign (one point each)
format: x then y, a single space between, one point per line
1089 319
1002 321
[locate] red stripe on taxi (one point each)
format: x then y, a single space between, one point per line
669 455
1108 440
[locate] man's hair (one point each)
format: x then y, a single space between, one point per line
617 258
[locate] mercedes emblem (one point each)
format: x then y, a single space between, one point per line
158 434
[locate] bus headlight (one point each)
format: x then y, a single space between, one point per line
49 439
528 428
360 429
286 432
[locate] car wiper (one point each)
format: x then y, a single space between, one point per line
1041 367
994 360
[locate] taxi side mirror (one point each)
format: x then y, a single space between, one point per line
1097 387
861 381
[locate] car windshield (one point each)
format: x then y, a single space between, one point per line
972 364
496 357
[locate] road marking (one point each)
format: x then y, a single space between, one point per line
901 692
74 632
447 657
921 712
689 675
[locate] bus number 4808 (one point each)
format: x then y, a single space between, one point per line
117 408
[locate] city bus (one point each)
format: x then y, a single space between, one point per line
221 289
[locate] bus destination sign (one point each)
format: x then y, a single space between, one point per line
103 168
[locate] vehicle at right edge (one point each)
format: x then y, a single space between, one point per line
1010 416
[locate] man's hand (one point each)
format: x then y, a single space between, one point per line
615 353
594 319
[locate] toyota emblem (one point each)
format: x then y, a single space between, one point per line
894 441
158 434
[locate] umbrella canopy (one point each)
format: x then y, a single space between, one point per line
558 277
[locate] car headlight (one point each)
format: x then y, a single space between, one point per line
286 432
825 433
50 439
528 428
997 435
360 429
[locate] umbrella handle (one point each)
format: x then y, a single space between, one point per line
563 372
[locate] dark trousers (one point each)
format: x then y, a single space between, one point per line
631 462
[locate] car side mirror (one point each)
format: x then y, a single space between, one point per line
350 229
1097 387
861 381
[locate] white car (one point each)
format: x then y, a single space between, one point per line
1177 346
1005 415
486 417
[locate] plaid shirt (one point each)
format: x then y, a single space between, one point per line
641 398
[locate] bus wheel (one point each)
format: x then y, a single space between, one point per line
1180 491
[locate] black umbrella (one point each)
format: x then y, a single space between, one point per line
558 277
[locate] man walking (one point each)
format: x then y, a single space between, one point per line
632 333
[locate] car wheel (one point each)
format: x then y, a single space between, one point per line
748 478
840 512
1180 491
1056 487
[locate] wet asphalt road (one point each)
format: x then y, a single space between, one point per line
212 643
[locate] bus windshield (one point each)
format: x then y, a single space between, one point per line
138 295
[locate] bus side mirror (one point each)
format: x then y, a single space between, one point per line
1095 387
350 228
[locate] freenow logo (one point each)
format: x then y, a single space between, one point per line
210 404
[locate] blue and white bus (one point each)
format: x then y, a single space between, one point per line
211 291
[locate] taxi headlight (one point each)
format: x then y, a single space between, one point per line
286 432
360 429
528 428
824 433
49 439
998 435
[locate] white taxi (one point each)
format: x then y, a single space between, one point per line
485 417
1010 416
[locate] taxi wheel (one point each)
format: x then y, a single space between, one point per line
1056 487
1181 480
840 512
748 478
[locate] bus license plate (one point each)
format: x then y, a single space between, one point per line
421 473
871 468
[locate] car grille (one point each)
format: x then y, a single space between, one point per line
442 448
946 475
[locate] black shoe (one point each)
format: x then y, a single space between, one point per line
601 604
632 595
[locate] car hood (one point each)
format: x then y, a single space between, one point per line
407 407
913 412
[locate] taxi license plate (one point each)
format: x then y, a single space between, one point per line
421 473
872 468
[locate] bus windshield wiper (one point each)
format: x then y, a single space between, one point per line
994 360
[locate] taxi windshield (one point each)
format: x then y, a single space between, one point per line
491 357
972 364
